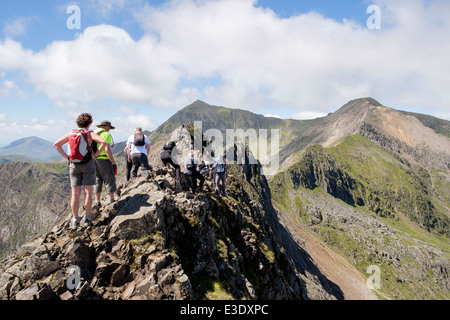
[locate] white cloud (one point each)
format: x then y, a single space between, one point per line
271 115
9 88
308 115
47 129
13 56
105 7
442 115
104 62
3 119
72 107
129 120
17 27
305 62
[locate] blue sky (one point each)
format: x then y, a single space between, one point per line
137 62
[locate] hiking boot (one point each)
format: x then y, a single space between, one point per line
75 223
97 205
88 222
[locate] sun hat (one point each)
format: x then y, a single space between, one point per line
105 123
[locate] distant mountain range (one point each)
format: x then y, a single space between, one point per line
29 149
354 117
369 181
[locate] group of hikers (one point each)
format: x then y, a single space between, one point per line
92 164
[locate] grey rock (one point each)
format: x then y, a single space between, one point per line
28 293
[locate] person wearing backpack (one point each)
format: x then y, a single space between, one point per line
81 165
190 165
106 165
138 148
167 158
220 176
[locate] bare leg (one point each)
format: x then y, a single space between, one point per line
88 199
75 200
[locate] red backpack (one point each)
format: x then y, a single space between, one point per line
79 148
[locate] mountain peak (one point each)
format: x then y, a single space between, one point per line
217 117
21 141
361 103
196 105
32 147
369 100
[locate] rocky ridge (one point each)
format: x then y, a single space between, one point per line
160 242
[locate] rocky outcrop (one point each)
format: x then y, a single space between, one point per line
160 242
318 169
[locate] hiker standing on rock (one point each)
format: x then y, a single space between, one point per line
167 158
220 176
106 165
138 148
81 164
190 166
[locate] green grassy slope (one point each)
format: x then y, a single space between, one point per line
34 196
374 208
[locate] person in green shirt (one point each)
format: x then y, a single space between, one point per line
106 165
